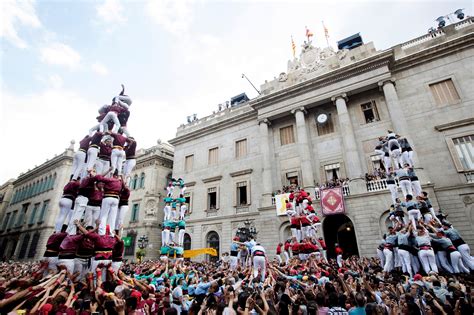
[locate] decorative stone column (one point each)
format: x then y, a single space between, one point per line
266 163
352 159
396 113
303 149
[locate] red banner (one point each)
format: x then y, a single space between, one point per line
332 201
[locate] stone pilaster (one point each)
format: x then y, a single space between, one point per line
396 113
303 148
351 156
266 163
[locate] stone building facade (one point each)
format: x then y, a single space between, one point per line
30 203
234 159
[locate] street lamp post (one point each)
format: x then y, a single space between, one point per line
143 242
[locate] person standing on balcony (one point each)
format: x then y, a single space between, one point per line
404 181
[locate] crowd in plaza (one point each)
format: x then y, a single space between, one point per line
313 286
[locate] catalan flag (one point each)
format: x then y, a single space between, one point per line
326 32
293 47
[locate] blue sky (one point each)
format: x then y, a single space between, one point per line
62 60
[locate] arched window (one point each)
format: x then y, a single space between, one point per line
142 180
24 246
187 241
213 242
134 182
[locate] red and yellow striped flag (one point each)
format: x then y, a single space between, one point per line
293 47
308 33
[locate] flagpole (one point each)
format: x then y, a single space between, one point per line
325 33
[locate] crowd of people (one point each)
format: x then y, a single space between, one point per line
312 286
377 174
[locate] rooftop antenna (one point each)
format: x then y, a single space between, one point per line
244 76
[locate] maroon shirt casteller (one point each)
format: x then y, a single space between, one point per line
119 140
71 189
105 152
130 149
95 139
103 245
112 186
53 244
67 249
84 143
117 251
124 196
87 186
95 198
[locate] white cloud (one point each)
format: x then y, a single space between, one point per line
15 12
55 115
55 81
173 16
61 55
100 69
111 13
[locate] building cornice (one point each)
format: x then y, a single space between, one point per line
434 52
379 60
43 168
230 121
455 124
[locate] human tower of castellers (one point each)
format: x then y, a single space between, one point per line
417 236
174 218
95 201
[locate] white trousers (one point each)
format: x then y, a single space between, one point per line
122 211
101 166
165 237
443 261
387 161
233 262
381 256
393 192
406 159
416 187
467 259
182 211
78 163
259 263
405 185
339 260
116 159
81 265
92 154
415 263
388 260
456 262
68 263
128 166
428 260
406 261
108 213
287 256
80 205
65 211
181 236
91 215
110 116
96 263
414 215
167 211
52 264
116 265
